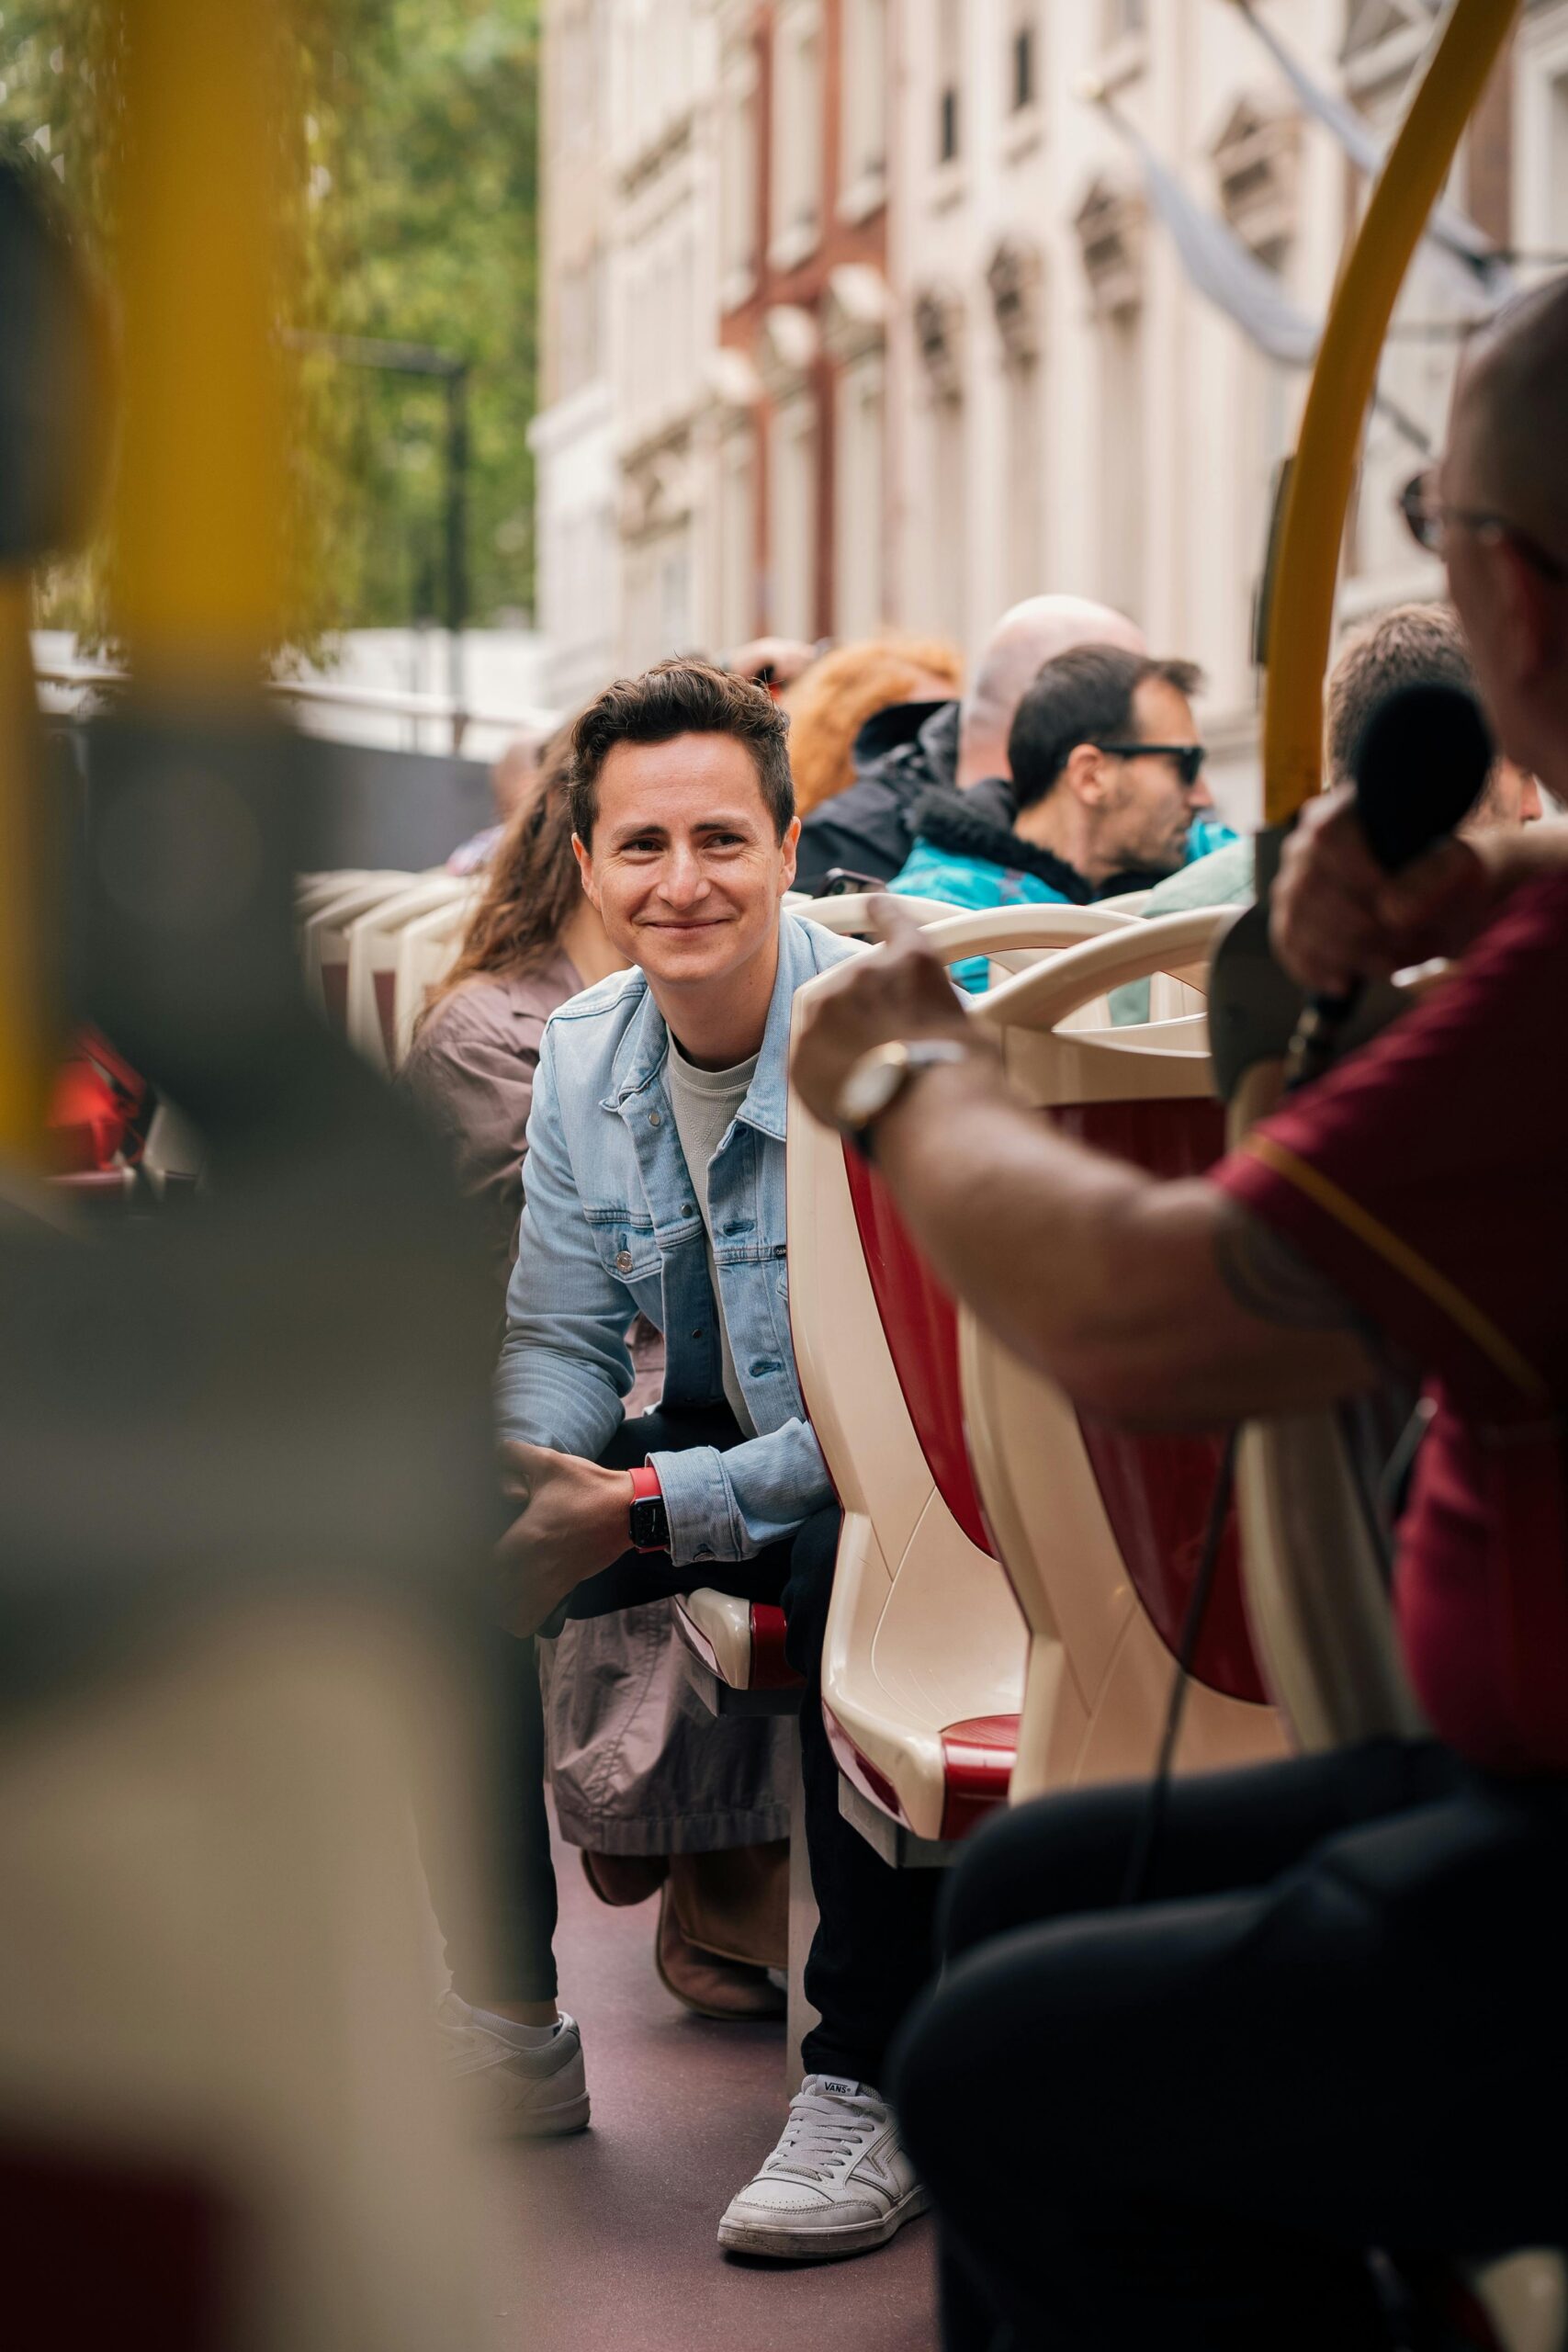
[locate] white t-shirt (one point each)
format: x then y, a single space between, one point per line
704 1103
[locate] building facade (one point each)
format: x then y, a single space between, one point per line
898 332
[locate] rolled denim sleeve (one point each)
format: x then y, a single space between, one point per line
564 1365
732 1505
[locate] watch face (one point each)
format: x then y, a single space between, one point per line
869 1089
650 1524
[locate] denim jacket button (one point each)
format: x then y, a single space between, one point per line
656 1118
623 1261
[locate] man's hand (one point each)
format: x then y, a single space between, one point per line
904 992
1337 918
573 1521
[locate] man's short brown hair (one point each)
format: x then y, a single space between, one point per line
682 696
1415 645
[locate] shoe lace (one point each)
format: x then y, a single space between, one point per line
821 2134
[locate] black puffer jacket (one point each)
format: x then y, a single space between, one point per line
900 753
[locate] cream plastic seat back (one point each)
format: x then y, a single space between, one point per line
428 947
922 1672
1316 1584
323 939
849 916
373 940
1099 1532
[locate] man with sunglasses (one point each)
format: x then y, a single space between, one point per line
1108 778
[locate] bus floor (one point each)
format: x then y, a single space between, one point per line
605 2240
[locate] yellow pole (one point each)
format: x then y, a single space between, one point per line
198 515
1301 614
26 1027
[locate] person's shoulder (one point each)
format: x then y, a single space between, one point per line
606 1004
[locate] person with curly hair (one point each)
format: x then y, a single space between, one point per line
900 679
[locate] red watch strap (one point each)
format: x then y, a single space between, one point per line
646 1487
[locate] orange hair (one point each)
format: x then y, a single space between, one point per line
830 702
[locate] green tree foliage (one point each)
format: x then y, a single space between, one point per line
411 159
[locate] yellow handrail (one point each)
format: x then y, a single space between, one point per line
27 1033
199 553
1301 614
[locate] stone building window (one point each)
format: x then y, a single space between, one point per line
862 164
797 133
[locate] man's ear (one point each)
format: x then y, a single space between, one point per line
1529 612
1085 776
787 848
584 857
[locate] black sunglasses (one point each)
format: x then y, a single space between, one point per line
1188 757
1427 519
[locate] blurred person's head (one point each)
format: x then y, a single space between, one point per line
1107 762
1026 637
1416 645
515 770
831 702
532 902
684 811
1496 508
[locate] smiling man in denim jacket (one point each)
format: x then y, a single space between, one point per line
656 1181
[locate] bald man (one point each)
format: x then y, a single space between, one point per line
904 753
1331 2016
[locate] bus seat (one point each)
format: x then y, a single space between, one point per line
850 916
427 946
1101 1531
372 941
736 1654
323 939
922 1673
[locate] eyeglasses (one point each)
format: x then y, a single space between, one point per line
1188 757
1427 519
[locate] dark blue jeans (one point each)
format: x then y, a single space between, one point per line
871 1951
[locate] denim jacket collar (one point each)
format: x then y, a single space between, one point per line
646 1045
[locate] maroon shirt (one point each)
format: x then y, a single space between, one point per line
1429 1178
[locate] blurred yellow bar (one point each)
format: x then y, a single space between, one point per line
200 510
1300 614
27 1035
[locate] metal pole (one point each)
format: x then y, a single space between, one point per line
456 541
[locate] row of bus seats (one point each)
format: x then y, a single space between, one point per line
1009 1585
372 943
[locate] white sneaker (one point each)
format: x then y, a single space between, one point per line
523 2090
838 2182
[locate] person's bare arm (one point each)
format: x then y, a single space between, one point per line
1159 1304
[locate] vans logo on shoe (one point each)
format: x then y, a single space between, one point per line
840 2090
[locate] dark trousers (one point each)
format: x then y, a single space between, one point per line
871 1951
1337 2023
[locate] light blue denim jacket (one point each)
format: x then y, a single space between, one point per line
611 1224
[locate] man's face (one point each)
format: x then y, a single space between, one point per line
684 867
1146 808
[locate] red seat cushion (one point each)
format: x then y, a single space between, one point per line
978 1757
771 1670
920 1324
1157 1490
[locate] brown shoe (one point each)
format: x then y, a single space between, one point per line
700 1981
621 1880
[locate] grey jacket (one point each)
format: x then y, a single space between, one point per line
636 1765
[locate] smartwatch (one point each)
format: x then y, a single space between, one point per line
879 1078
649 1519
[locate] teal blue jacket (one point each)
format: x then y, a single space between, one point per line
968 859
